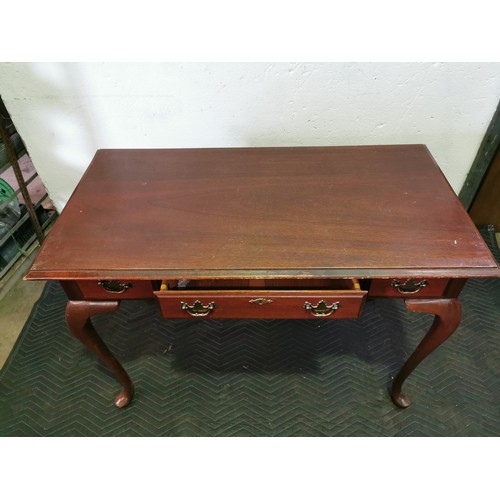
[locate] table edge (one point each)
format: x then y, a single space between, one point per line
159 274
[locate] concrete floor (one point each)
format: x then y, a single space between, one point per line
15 308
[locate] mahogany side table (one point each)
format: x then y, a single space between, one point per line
298 232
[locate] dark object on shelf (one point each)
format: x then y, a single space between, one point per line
21 236
10 213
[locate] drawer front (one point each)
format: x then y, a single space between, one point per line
115 289
408 288
265 304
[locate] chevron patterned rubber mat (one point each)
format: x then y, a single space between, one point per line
256 378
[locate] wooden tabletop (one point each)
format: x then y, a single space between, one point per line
361 211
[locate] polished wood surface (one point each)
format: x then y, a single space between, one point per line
274 304
361 211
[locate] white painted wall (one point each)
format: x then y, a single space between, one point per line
64 112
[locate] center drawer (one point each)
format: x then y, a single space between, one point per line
265 303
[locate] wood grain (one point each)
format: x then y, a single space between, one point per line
264 212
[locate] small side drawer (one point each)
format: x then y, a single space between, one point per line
116 289
265 304
408 287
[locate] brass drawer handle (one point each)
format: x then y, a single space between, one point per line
198 309
409 286
114 286
321 308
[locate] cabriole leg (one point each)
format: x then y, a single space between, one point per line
448 316
78 314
